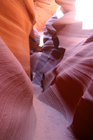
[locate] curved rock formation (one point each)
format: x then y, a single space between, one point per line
68 85
17 20
43 11
64 69
17 115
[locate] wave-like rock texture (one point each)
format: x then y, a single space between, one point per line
16 22
69 36
42 61
43 11
68 86
17 115
70 89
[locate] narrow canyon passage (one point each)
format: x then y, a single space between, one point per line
51 124
46 70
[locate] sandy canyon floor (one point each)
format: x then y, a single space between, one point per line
51 124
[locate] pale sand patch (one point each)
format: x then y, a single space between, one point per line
51 124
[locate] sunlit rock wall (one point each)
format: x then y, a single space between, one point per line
17 114
44 9
17 20
67 86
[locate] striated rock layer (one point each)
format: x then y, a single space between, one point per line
17 20
17 115
68 86
44 9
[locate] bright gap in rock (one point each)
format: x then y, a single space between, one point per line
84 9
41 39
59 12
